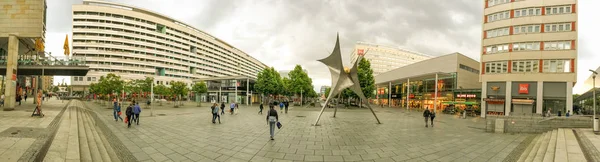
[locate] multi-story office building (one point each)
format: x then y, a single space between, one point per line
385 58
529 56
135 43
323 90
48 81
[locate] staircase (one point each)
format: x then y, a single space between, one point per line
79 139
559 145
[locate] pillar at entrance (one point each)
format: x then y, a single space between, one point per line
11 69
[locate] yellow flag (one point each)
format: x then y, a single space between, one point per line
66 46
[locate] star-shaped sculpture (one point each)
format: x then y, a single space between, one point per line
342 78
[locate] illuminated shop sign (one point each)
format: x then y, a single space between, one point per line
466 95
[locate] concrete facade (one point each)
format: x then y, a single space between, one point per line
136 43
385 58
531 45
25 18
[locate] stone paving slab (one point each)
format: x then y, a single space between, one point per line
187 134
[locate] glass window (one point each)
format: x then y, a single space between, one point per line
538 11
567 45
517 13
554 10
567 27
560 27
553 28
530 29
560 10
517 30
531 11
568 9
537 29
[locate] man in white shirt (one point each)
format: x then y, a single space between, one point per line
2 100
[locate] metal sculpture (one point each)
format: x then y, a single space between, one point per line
342 78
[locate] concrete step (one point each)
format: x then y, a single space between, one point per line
560 154
99 149
84 147
536 147
101 145
93 146
574 152
549 156
529 149
58 148
539 156
109 149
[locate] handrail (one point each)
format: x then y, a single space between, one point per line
47 61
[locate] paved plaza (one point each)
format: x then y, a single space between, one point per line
187 134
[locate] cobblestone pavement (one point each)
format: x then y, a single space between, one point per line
20 133
187 134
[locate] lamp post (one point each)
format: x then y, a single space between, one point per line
595 124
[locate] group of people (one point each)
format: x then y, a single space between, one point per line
234 108
132 113
428 115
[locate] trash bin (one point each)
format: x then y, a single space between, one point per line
596 125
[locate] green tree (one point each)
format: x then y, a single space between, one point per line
199 88
179 89
287 86
162 90
299 82
54 89
269 82
365 79
327 92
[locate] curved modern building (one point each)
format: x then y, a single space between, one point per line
135 43
529 56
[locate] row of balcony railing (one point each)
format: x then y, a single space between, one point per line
46 61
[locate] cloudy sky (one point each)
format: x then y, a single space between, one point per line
283 33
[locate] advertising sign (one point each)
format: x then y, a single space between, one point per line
466 95
360 52
523 88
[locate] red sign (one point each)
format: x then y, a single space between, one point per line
411 96
466 95
523 88
361 52
14 77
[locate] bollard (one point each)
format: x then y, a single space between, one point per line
596 125
464 114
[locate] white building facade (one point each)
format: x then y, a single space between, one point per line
136 43
529 56
385 58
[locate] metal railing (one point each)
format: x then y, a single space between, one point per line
47 61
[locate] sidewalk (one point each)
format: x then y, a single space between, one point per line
20 134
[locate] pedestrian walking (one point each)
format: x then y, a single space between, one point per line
426 114
25 97
39 102
136 111
272 119
117 113
432 116
129 115
232 107
287 104
115 107
260 108
568 113
2 100
222 108
215 113
281 105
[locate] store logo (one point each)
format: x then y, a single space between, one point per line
361 52
495 88
523 88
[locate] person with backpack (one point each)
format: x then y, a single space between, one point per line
129 113
432 116
215 113
260 108
281 105
426 114
117 112
136 111
222 108
272 119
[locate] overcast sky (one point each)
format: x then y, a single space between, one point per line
283 33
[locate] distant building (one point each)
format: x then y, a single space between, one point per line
385 58
322 91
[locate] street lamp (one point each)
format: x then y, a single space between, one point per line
594 73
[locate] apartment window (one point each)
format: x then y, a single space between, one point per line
525 66
555 10
526 46
557 45
496 67
497 32
557 66
497 2
558 27
496 49
528 12
526 29
93 79
498 16
470 69
89 79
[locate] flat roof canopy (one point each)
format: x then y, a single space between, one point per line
49 70
224 78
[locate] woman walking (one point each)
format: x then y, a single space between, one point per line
272 119
432 116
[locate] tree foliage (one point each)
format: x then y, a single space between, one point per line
269 82
365 77
110 83
162 90
327 92
200 87
299 81
179 88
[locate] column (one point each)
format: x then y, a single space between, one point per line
407 92
390 94
11 73
483 97
508 100
539 102
235 96
435 94
569 97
